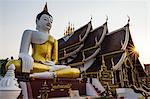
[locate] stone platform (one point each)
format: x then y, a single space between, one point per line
48 88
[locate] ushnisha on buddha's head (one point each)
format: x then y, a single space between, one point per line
44 20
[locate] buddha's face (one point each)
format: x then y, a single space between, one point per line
45 22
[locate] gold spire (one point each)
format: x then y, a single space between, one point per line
69 29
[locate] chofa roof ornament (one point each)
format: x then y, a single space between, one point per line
128 19
106 18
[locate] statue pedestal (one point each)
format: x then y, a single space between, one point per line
48 88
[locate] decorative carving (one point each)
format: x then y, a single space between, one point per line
61 87
44 90
105 74
106 77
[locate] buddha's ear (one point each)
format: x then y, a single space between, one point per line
36 21
37 24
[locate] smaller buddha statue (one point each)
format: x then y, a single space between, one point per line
44 57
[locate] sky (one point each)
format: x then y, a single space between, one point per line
19 15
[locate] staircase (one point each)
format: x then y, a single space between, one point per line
95 86
97 90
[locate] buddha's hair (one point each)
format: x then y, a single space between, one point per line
45 11
40 14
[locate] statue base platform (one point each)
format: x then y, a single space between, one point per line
48 88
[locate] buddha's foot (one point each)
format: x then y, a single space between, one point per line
43 75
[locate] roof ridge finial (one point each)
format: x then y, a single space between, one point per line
73 27
106 17
45 7
91 17
128 19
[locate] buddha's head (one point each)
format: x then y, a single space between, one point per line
44 20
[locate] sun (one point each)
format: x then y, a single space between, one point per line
133 52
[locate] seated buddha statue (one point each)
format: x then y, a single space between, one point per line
44 51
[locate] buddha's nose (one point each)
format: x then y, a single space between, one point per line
48 24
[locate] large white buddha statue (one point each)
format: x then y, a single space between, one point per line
44 51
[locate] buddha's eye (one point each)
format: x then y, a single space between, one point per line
45 19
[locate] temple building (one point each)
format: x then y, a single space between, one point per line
108 56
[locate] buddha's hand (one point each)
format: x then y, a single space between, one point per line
27 62
49 63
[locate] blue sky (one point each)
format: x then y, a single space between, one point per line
19 15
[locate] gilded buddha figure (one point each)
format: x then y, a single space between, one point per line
44 51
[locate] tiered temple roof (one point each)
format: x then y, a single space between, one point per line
85 46
88 49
